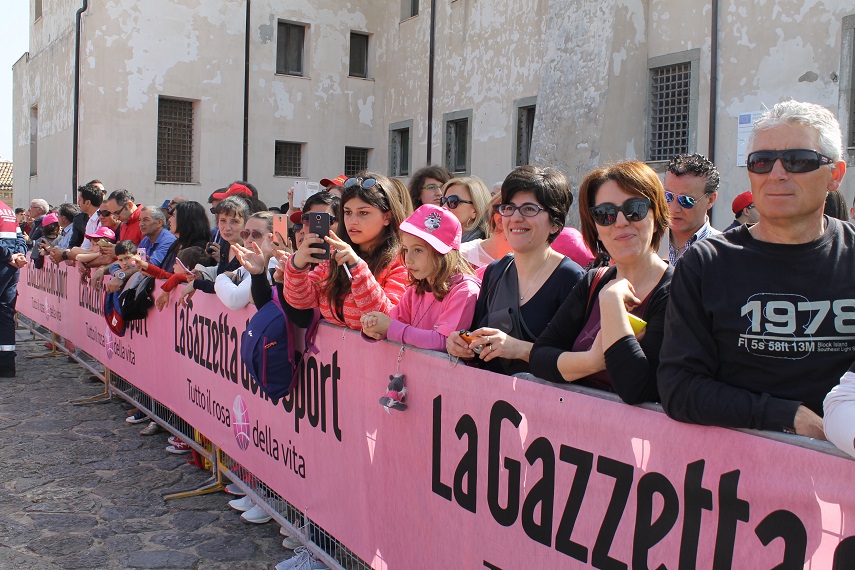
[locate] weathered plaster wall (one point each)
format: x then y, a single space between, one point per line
325 108
44 79
771 51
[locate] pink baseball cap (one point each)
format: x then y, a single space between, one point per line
437 226
103 232
49 219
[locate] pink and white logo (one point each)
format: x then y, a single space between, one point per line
240 423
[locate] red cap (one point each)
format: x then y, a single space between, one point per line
297 217
337 181
233 189
742 201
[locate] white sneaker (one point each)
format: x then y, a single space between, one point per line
256 515
291 542
243 504
303 559
233 489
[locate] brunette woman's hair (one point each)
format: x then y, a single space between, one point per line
337 284
447 270
191 220
417 181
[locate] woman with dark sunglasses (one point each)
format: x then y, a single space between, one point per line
364 272
591 340
521 291
469 200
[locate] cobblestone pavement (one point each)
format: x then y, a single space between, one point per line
81 488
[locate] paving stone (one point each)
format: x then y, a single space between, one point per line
227 549
161 559
189 521
86 560
181 540
59 544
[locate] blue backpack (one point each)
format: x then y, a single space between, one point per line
268 350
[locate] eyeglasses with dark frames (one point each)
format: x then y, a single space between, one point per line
453 201
527 210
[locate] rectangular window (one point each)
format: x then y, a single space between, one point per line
288 159
37 10
525 131
399 148
289 48
174 140
847 83
34 140
355 160
358 55
458 140
409 8
673 105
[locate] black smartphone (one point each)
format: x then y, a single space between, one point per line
319 224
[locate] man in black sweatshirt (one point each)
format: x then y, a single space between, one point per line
761 320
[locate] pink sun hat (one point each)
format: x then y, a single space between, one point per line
437 226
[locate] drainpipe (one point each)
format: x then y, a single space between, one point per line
246 94
430 79
75 129
713 80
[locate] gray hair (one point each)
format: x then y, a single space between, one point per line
809 115
156 213
41 204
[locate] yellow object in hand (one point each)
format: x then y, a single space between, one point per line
636 323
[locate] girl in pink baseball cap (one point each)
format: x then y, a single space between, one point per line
443 290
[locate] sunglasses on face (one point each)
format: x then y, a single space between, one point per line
120 210
104 213
432 187
686 202
256 234
527 210
214 211
634 209
795 160
453 201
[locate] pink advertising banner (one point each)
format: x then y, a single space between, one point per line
481 470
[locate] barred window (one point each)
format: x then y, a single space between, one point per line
355 160
670 99
525 132
358 55
289 48
174 140
456 145
37 10
399 152
288 159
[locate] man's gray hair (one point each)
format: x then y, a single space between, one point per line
808 114
41 204
156 213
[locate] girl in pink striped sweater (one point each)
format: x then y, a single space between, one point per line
364 272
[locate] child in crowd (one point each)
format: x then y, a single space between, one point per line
364 272
189 257
443 291
104 236
126 255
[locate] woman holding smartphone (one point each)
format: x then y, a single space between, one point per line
590 339
362 272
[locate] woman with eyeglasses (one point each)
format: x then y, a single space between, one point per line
364 272
234 287
469 201
591 339
521 292
426 185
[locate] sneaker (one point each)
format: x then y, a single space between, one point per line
233 489
179 449
137 418
174 440
150 429
303 559
291 542
256 515
242 504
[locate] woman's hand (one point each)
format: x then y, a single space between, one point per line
375 324
162 300
497 344
343 252
307 250
213 249
253 259
456 346
620 290
186 294
140 262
